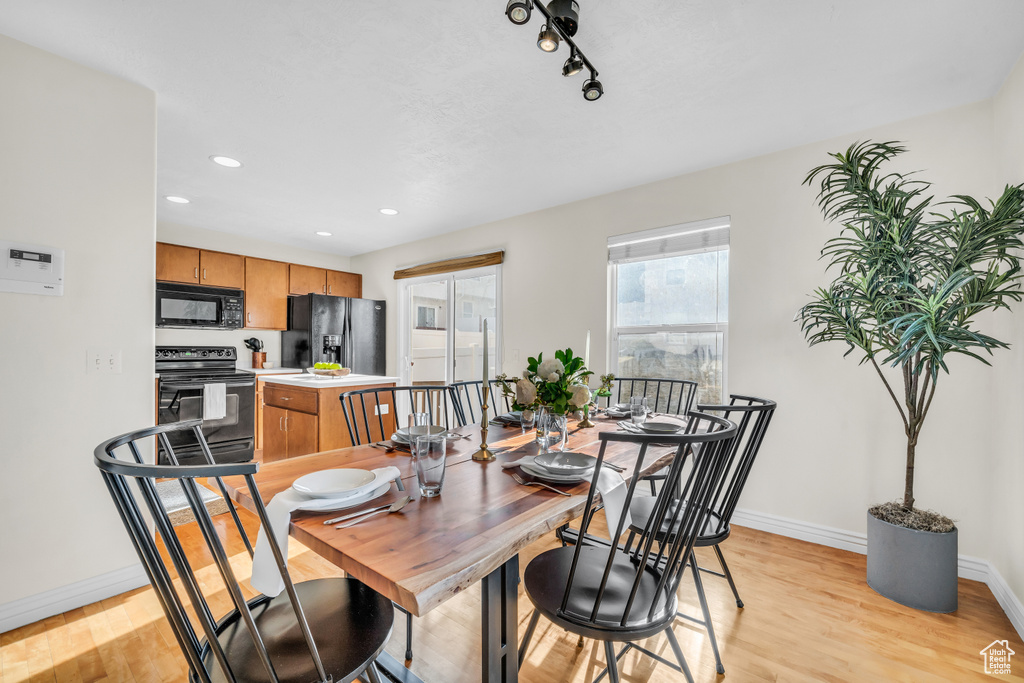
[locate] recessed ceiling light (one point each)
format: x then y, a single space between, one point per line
323 234
389 212
176 200
226 161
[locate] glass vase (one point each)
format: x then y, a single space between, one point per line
552 431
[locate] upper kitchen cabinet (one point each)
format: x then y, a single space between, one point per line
306 280
217 269
266 294
344 284
177 264
309 280
193 266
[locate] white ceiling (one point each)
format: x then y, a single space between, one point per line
449 113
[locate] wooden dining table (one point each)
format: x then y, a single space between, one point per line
437 547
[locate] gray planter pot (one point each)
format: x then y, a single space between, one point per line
914 568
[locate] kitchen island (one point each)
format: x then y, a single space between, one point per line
302 413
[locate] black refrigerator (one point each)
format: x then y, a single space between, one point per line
334 329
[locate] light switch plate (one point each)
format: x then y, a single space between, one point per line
103 361
381 409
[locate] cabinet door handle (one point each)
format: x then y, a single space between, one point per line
204 273
286 423
325 289
248 317
280 424
196 272
330 289
286 398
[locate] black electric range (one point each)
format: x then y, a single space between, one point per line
186 373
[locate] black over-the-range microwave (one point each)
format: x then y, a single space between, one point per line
193 306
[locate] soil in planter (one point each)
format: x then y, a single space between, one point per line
918 520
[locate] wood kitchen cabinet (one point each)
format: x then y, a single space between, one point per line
266 294
300 420
290 423
310 280
193 266
340 283
261 383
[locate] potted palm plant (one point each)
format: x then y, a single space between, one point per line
910 285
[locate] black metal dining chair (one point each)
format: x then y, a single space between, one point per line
669 396
752 416
325 630
367 410
365 419
470 395
612 594
666 396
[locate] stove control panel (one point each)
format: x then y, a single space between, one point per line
171 353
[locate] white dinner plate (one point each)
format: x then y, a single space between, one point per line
544 474
660 427
333 483
565 462
350 501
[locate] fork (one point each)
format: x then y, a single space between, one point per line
520 480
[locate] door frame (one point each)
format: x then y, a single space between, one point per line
405 318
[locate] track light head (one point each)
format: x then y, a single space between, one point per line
592 88
573 65
567 14
548 39
518 11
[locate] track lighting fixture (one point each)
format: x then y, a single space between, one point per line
565 13
592 88
562 22
573 65
518 11
548 39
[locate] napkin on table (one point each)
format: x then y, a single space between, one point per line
265 576
609 482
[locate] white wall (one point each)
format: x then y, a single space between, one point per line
836 445
1008 449
77 171
247 246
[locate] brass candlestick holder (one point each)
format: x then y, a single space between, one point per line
484 454
585 422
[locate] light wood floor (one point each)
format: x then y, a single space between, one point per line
809 616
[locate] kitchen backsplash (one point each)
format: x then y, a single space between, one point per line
271 342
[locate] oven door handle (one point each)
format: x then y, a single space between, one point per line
179 385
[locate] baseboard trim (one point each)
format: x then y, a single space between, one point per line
974 568
1007 599
42 605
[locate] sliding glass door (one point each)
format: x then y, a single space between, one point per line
442 319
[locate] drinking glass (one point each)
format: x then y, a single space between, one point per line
638 409
543 440
428 460
419 423
527 420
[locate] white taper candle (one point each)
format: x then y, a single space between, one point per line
485 351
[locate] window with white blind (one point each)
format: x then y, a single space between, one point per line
670 304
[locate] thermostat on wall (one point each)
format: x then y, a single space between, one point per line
31 269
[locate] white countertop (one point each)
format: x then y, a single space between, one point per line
317 382
274 371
